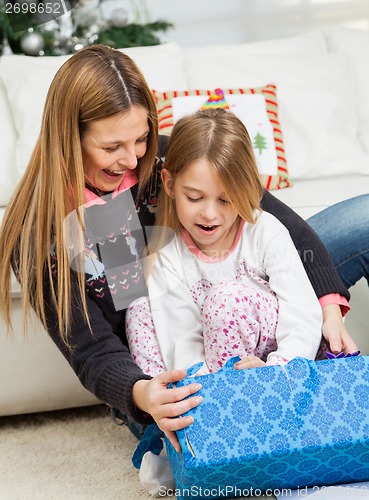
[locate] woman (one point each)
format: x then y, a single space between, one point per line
74 230
344 230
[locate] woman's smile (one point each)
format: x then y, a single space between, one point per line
114 173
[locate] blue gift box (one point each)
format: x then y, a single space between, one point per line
276 427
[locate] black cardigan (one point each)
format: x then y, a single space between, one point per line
101 359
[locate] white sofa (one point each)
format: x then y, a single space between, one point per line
322 79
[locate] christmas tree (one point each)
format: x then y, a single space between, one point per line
63 27
260 143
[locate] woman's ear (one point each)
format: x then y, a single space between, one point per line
167 180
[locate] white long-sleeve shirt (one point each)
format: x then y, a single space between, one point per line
182 274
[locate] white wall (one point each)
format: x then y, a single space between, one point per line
202 22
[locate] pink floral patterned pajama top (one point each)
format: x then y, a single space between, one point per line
257 300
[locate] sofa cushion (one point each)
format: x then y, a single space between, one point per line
310 196
256 107
355 43
310 42
27 79
316 99
160 64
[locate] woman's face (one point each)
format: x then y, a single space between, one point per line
111 146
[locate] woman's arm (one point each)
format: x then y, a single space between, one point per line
105 367
99 358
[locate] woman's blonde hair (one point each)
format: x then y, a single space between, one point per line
222 139
95 83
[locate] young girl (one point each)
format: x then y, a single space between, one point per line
229 280
226 279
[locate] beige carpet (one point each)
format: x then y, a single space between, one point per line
73 454
66 455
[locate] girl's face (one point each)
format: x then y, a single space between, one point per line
203 208
112 145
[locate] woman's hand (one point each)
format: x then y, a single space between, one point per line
334 331
164 405
248 362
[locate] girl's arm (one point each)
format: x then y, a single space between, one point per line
298 331
176 317
315 258
320 270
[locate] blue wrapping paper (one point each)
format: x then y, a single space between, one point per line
302 424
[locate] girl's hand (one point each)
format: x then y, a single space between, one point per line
164 405
248 362
334 331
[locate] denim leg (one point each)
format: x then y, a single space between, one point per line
344 230
120 418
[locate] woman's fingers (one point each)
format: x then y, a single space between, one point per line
172 436
167 406
170 425
178 394
177 409
334 330
174 394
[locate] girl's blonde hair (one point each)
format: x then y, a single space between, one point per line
95 83
222 139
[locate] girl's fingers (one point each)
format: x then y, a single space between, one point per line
249 362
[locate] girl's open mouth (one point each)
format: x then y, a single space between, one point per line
207 229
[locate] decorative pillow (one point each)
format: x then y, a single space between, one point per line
256 107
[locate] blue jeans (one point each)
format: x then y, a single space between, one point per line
344 230
120 418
